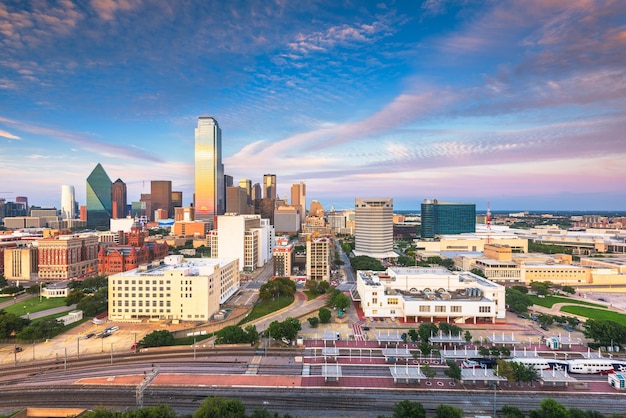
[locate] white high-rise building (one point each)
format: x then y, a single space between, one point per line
373 234
68 202
247 238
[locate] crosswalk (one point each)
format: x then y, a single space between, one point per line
358 331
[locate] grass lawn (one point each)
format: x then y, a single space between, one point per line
263 308
33 305
548 301
310 295
598 314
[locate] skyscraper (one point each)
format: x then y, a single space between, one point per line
177 200
68 202
373 235
209 170
256 192
99 204
440 218
247 185
119 199
269 186
161 197
298 198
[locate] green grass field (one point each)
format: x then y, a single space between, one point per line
33 305
263 308
598 314
549 301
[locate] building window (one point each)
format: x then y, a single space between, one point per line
455 308
375 301
424 308
440 308
484 309
392 301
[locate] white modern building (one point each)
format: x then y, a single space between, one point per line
429 294
174 289
247 238
68 202
373 235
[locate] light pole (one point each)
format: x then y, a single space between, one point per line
78 346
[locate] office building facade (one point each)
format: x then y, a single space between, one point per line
441 218
99 202
298 198
209 200
68 257
119 199
373 235
161 197
269 186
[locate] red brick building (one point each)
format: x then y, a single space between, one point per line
119 258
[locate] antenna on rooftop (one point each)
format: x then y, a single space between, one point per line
488 222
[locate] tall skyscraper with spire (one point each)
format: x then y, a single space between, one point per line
99 203
209 171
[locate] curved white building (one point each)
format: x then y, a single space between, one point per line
68 202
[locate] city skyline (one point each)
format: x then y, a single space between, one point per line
520 104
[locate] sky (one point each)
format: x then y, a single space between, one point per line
518 103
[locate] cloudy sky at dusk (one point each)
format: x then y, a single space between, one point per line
520 103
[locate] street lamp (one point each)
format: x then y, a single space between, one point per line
495 386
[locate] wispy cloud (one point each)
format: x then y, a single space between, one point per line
83 141
8 135
107 9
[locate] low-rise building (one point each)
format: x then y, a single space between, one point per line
174 289
429 294
68 257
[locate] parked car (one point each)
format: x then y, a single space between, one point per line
568 329
18 349
88 336
543 327
602 299
365 328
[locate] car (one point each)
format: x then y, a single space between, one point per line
568 329
602 299
88 336
106 334
522 316
18 349
365 328
543 327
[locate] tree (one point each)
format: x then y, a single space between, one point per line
218 407
428 371
158 338
11 323
549 408
45 329
541 288
520 288
252 335
74 296
572 321
364 262
605 332
287 329
511 412
313 321
93 305
483 351
517 301
277 287
413 334
468 337
427 329
339 300
478 272
34 289
569 289
504 351
448 263
494 351
453 371
3 281
545 319
408 409
448 411
324 315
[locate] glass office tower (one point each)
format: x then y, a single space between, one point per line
440 218
209 170
99 202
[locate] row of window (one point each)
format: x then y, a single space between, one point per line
141 295
140 303
141 282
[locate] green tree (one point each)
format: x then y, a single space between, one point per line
494 351
11 323
93 305
545 319
511 412
277 287
313 321
549 408
520 288
426 329
483 351
218 407
3 281
363 262
413 334
324 315
408 409
428 371
448 411
45 329
232 334
453 371
339 300
158 338
74 296
448 263
252 335
572 321
541 288
287 329
605 332
569 289
517 301
478 272
468 337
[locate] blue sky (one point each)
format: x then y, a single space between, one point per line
519 103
